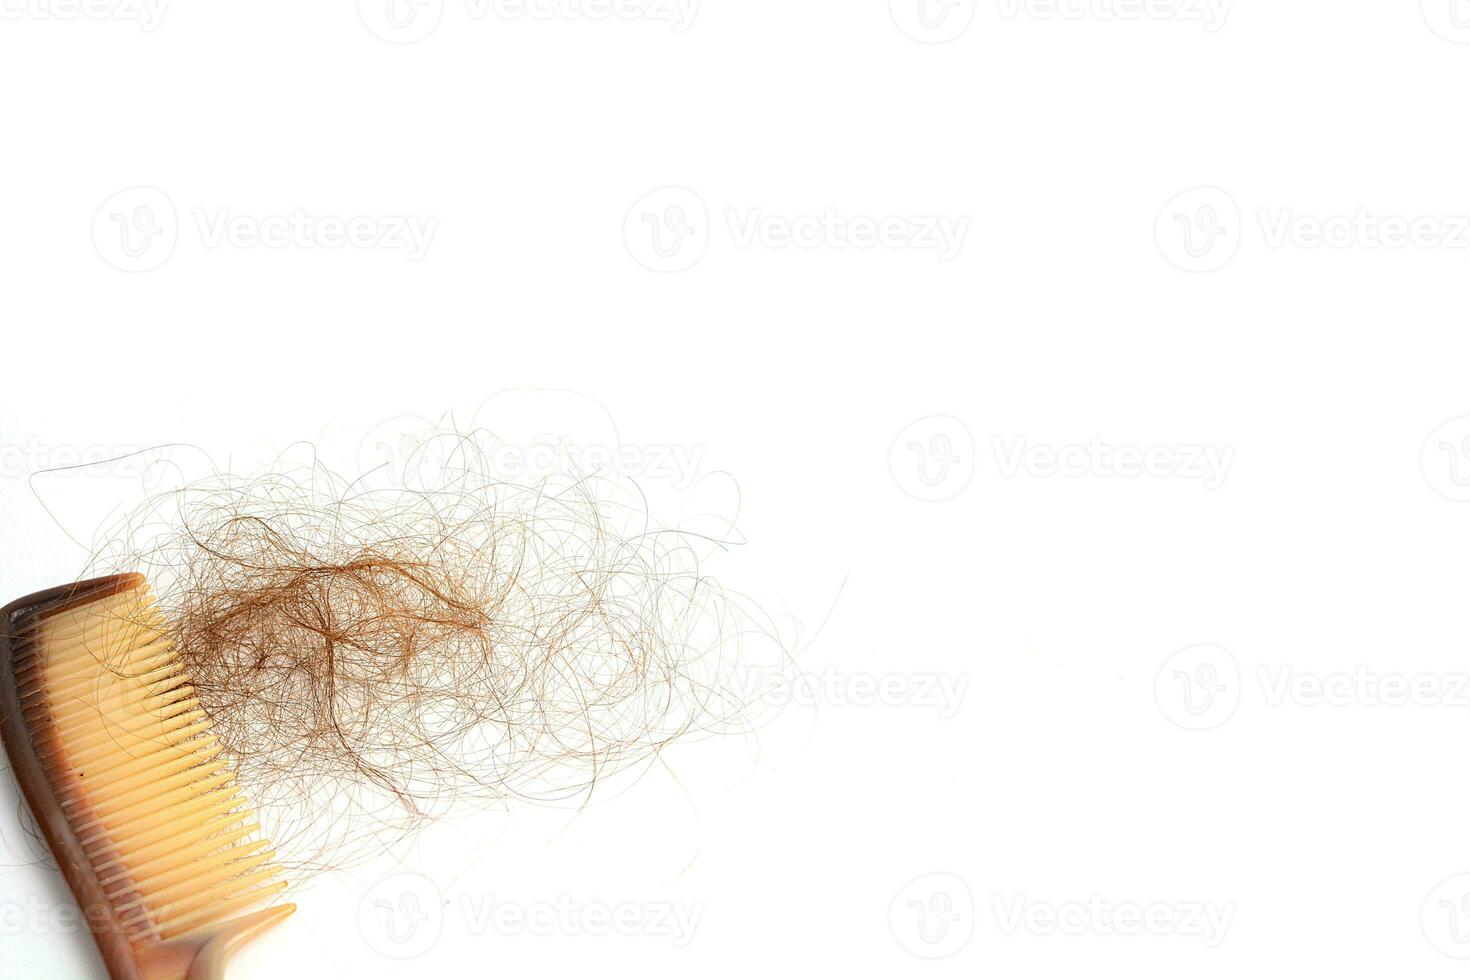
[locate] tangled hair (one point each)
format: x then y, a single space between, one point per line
371 657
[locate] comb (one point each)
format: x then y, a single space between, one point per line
115 758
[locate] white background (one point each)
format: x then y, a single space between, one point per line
1097 298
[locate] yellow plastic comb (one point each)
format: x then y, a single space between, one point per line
115 757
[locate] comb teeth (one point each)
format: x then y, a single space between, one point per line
129 757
